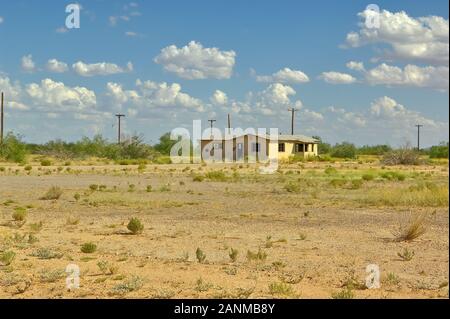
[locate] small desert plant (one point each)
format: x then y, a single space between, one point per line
131 188
77 196
368 177
93 187
202 285
141 167
356 183
53 193
302 236
88 248
330 171
414 228
133 284
46 162
200 255
7 257
406 254
135 226
392 279
46 253
72 221
292 187
258 256
28 168
345 293
164 188
149 188
233 254
51 275
217 176
107 268
338 182
19 214
198 178
280 288
36 227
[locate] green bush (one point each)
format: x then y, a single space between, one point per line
439 151
13 149
368 177
88 248
46 162
344 150
135 226
330 171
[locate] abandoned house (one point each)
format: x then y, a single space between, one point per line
259 147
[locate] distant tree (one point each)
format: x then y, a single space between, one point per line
439 151
165 144
13 149
374 149
344 150
324 148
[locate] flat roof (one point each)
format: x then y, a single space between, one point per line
281 137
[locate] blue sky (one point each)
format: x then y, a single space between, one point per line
166 64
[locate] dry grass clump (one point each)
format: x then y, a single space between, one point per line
53 193
429 196
414 227
403 156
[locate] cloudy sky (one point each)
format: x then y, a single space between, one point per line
164 64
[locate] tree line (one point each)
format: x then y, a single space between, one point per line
14 149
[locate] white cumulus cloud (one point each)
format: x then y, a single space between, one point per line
219 98
337 78
102 68
286 76
424 39
28 64
194 62
56 66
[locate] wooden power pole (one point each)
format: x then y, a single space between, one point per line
292 110
1 120
119 118
418 136
211 122
229 123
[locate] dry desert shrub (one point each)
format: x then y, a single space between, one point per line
405 155
414 227
53 193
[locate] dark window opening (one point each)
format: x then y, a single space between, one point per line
281 147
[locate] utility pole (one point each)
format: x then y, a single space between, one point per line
292 110
229 123
119 118
418 136
211 125
1 121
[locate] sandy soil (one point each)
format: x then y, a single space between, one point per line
316 242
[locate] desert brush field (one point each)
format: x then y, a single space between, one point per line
223 230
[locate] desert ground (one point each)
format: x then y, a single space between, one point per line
224 230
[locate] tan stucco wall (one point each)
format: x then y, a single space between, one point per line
289 150
310 149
